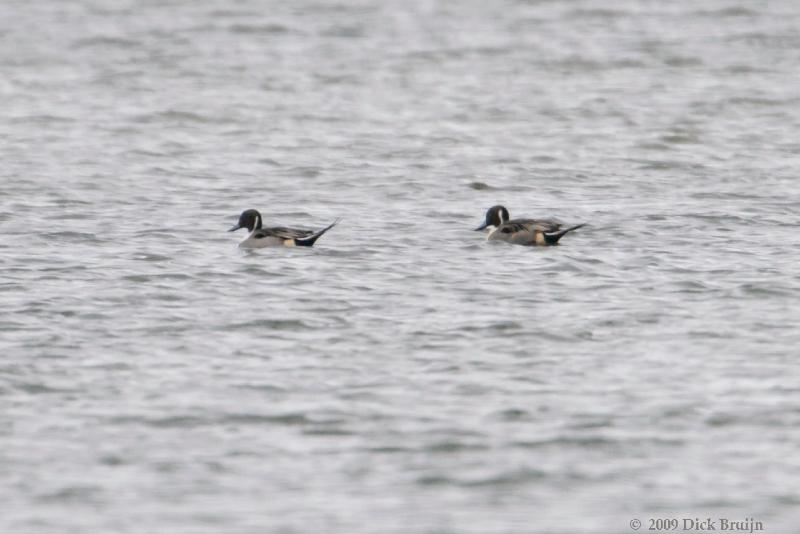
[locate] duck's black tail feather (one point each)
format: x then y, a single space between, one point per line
553 237
310 240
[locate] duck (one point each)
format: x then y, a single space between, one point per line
260 237
531 232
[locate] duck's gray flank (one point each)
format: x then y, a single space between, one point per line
260 237
532 232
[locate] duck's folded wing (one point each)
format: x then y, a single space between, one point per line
281 232
530 225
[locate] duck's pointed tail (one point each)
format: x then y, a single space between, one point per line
553 237
310 240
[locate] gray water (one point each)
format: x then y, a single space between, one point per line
404 375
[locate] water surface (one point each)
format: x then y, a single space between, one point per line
403 375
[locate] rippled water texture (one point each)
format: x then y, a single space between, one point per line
404 375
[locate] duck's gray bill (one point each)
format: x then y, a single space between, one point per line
235 228
481 227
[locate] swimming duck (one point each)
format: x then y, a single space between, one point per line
276 236
522 231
